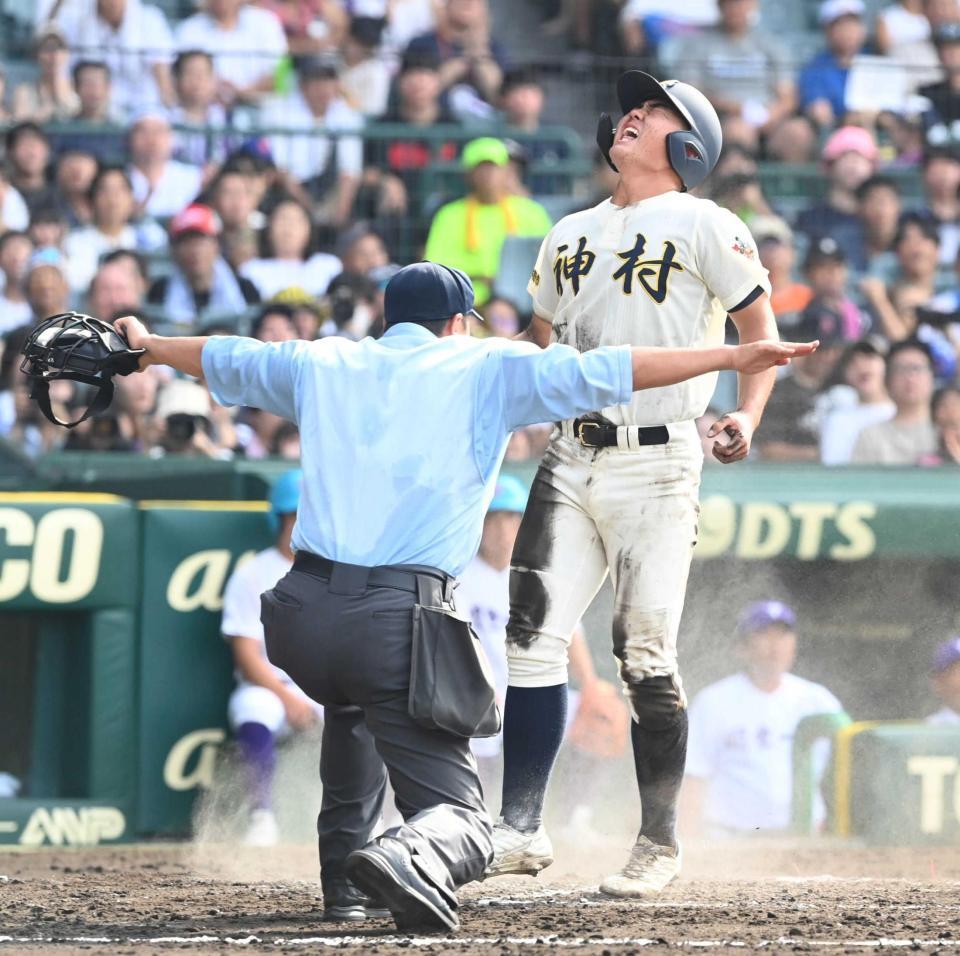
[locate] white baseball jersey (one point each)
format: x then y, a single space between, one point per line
661 272
741 744
241 598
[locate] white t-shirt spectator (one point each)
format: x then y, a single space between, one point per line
367 86
945 717
243 55
142 41
741 745
85 247
700 13
270 276
308 156
13 210
176 189
13 314
408 19
841 428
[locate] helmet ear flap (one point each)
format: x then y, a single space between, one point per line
688 157
605 134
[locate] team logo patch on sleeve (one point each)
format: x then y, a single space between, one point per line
535 277
740 246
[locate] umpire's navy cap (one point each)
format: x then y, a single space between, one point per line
427 292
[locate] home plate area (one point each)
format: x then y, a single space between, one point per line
216 898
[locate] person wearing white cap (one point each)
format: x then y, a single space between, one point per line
823 81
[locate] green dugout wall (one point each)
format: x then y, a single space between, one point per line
115 679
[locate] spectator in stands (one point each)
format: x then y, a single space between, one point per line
133 38
15 251
916 245
501 317
790 426
878 209
945 411
28 159
91 80
900 25
195 86
909 435
743 195
395 168
51 96
13 210
522 101
46 285
288 257
233 197
75 170
472 62
115 290
354 302
850 158
135 266
311 26
941 122
823 81
406 19
860 401
135 402
941 187
777 253
48 230
114 226
162 185
361 250
330 170
246 43
469 233
739 777
202 286
827 273
306 312
256 432
365 79
185 423
644 24
274 324
744 71
945 680
795 140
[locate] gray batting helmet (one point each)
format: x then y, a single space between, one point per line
692 152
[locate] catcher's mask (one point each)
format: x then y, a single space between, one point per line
78 348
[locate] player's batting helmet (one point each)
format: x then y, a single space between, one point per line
692 152
78 348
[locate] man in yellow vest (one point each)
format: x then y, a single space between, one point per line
468 234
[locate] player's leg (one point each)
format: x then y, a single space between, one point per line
256 715
557 568
354 781
648 512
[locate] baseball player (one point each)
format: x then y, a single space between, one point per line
617 489
266 704
740 765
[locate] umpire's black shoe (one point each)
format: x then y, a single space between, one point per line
385 871
343 902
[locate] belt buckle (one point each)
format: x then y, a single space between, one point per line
580 430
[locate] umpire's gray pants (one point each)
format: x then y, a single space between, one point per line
347 645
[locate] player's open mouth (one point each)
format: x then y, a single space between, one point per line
629 133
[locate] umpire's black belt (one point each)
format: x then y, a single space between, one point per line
354 578
601 434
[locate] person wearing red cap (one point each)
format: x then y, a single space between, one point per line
202 287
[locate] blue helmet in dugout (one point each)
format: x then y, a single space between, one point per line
692 152
285 497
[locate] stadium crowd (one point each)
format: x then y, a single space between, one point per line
264 167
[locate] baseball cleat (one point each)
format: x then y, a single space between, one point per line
262 830
516 852
385 871
650 868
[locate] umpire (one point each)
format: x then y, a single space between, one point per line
401 440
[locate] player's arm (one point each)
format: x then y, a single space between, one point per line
538 331
755 322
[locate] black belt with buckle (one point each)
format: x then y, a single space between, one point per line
596 434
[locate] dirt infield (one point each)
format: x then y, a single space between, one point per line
210 899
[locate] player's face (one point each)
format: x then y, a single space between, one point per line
947 686
641 134
770 653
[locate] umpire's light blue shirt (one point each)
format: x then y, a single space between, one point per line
401 438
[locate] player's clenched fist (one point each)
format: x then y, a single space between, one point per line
759 356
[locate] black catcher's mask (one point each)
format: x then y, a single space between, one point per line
78 348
